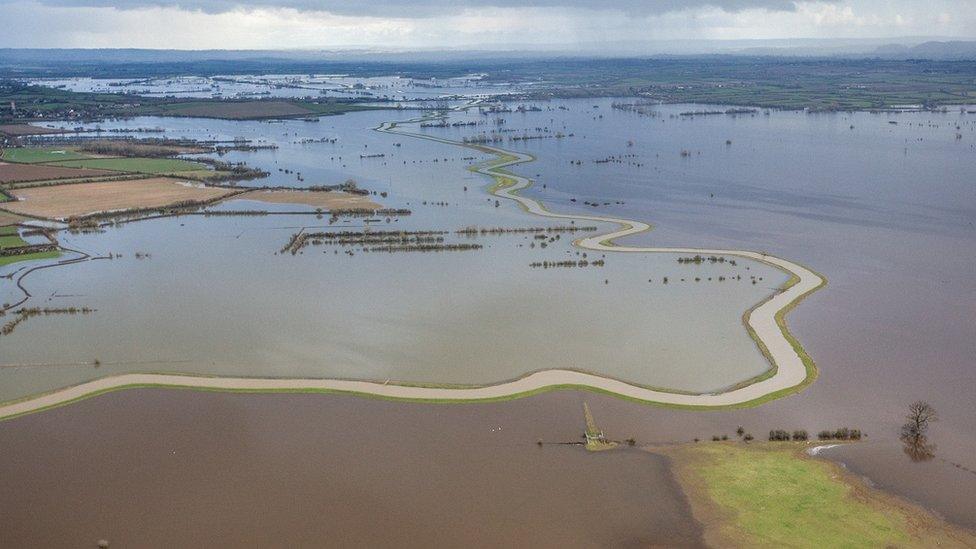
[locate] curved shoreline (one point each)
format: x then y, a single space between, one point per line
791 368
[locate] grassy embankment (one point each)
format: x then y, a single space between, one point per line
774 495
504 179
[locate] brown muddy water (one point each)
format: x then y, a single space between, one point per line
885 466
888 219
175 468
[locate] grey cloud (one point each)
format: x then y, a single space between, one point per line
426 8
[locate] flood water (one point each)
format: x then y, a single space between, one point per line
387 88
214 298
884 210
151 468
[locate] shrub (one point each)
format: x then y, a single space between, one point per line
843 433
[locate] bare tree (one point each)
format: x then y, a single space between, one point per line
920 415
913 432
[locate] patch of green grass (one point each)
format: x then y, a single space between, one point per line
28 257
10 238
200 175
12 241
39 155
138 165
776 497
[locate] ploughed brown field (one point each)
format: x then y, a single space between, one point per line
64 201
15 130
242 110
325 200
16 173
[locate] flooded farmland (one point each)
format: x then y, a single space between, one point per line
893 325
216 297
304 469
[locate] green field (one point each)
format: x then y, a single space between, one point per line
9 238
28 257
137 165
780 499
773 495
37 156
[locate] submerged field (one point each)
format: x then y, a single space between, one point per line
267 469
455 469
325 314
487 315
435 321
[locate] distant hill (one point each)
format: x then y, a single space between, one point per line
141 63
958 49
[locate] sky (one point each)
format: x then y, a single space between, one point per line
446 24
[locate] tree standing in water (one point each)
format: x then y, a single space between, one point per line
913 433
920 415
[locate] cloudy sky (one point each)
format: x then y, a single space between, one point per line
283 24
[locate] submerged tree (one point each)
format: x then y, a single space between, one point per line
920 415
914 432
